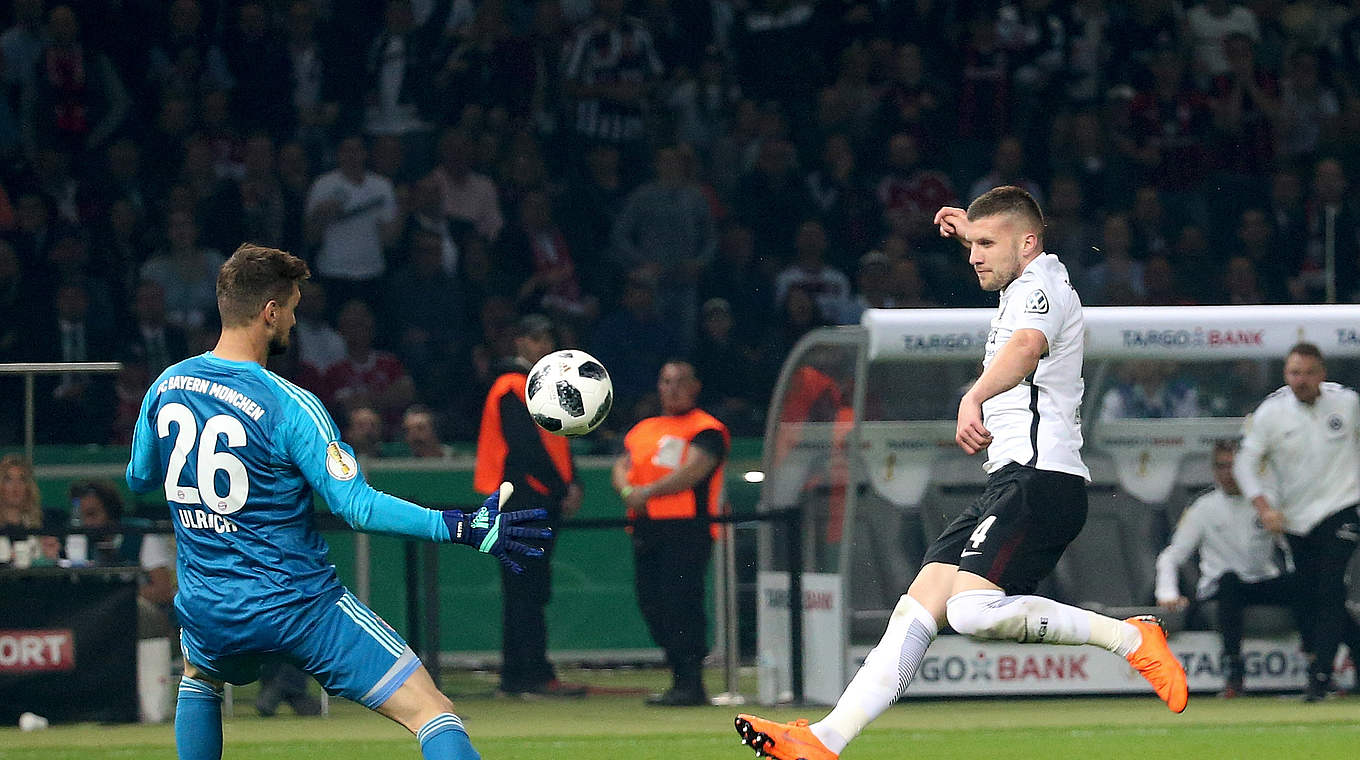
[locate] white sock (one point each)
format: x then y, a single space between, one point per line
1115 635
989 614
885 674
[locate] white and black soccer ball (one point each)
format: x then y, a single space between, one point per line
569 392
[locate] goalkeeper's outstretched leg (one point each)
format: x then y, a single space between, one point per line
424 710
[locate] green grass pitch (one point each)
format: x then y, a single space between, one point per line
602 727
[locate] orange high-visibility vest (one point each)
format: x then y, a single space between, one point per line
492 447
657 446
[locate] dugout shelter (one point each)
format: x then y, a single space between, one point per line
859 439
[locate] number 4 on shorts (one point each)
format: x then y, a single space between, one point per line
980 532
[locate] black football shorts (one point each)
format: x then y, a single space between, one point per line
1017 529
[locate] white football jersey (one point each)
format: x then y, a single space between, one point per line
1038 422
1229 537
1313 450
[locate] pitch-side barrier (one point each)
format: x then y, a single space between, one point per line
421 577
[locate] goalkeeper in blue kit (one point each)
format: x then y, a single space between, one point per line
239 451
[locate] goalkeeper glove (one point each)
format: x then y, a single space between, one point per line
494 532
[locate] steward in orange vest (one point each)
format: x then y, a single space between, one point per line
510 447
670 477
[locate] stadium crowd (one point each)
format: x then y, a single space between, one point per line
703 178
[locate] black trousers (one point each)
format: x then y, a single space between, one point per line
670 559
524 625
1321 558
1234 595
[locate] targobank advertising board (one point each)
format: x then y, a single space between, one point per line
1208 332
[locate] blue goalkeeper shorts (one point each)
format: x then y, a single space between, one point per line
351 651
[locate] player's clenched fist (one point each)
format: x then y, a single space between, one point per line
953 222
969 433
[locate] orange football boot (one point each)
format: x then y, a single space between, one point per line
1154 660
783 741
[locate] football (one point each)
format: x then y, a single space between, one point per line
569 392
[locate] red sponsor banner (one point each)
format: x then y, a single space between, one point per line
32 650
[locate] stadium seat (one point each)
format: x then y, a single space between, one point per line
1111 564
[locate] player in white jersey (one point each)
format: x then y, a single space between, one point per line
980 574
1238 562
1307 434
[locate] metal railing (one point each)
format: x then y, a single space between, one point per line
30 371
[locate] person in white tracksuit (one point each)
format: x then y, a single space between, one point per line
1240 562
1307 436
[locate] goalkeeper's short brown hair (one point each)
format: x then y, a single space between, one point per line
254 276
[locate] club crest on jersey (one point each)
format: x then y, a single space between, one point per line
1334 423
339 463
1036 303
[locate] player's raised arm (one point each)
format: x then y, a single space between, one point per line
953 222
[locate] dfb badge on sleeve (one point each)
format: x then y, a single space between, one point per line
339 463
1036 303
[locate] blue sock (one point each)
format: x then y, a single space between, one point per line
444 738
198 721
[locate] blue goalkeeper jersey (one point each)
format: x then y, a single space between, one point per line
238 451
